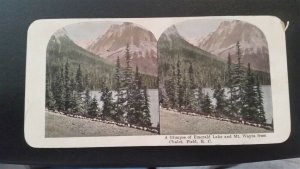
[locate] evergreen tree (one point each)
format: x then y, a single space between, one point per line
72 83
192 104
206 104
128 83
230 106
76 104
200 98
185 91
146 109
219 95
138 78
66 75
249 110
171 87
67 94
260 117
108 106
58 90
50 102
86 83
237 85
229 71
120 94
180 88
191 77
93 108
87 100
79 80
135 114
128 71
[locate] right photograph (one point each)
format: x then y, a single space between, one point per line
214 78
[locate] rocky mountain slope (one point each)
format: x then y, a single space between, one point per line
223 42
142 46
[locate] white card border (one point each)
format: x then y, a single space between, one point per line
40 32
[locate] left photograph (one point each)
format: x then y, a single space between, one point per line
101 80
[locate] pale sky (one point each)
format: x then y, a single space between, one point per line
198 28
85 32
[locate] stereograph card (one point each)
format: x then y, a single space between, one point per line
180 81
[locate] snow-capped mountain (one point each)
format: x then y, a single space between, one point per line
142 46
222 42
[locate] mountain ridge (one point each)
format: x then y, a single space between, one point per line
142 46
222 42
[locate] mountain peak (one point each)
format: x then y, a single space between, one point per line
253 43
61 33
172 30
142 45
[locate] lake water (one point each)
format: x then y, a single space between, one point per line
154 103
267 99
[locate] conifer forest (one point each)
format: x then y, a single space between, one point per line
123 93
237 91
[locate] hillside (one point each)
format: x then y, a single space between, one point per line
63 126
201 125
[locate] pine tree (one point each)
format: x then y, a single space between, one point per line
219 95
79 80
50 102
185 91
72 83
191 77
229 71
249 110
87 100
86 82
128 84
260 117
171 87
67 94
192 104
237 85
200 98
108 106
180 88
77 103
135 114
206 104
93 108
58 90
120 94
230 106
128 71
146 109
138 79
